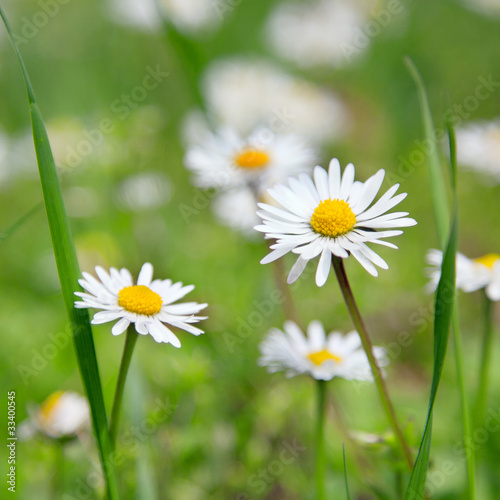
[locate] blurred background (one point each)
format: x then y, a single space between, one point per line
124 87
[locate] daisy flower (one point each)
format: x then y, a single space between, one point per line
328 31
317 354
478 147
329 217
149 304
226 160
472 274
61 415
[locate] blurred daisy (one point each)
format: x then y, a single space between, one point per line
191 16
321 356
245 94
478 147
145 191
148 304
61 415
227 160
485 7
331 217
472 274
141 14
328 31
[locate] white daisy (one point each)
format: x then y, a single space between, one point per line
192 16
226 160
486 7
478 147
141 14
472 274
331 217
149 304
328 31
323 357
246 93
61 415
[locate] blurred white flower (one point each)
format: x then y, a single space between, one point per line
149 304
141 14
245 94
61 415
334 216
485 7
241 169
319 33
237 210
478 147
144 191
191 16
472 274
321 356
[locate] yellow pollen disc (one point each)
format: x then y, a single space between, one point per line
488 260
318 358
140 299
252 158
333 218
49 404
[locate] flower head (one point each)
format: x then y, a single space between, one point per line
321 356
61 415
149 304
472 274
329 217
478 148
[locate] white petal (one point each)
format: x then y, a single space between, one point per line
297 269
347 181
120 326
146 274
324 264
334 179
321 181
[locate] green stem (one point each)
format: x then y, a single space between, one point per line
320 441
338 265
484 368
459 361
128 349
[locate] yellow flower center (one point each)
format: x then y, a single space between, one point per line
252 158
140 299
488 260
333 218
318 358
49 404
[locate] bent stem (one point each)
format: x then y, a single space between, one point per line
320 441
338 266
128 349
484 368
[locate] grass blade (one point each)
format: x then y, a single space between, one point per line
19 222
347 495
437 180
67 266
445 298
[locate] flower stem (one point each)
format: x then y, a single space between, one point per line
128 349
484 368
338 266
320 441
